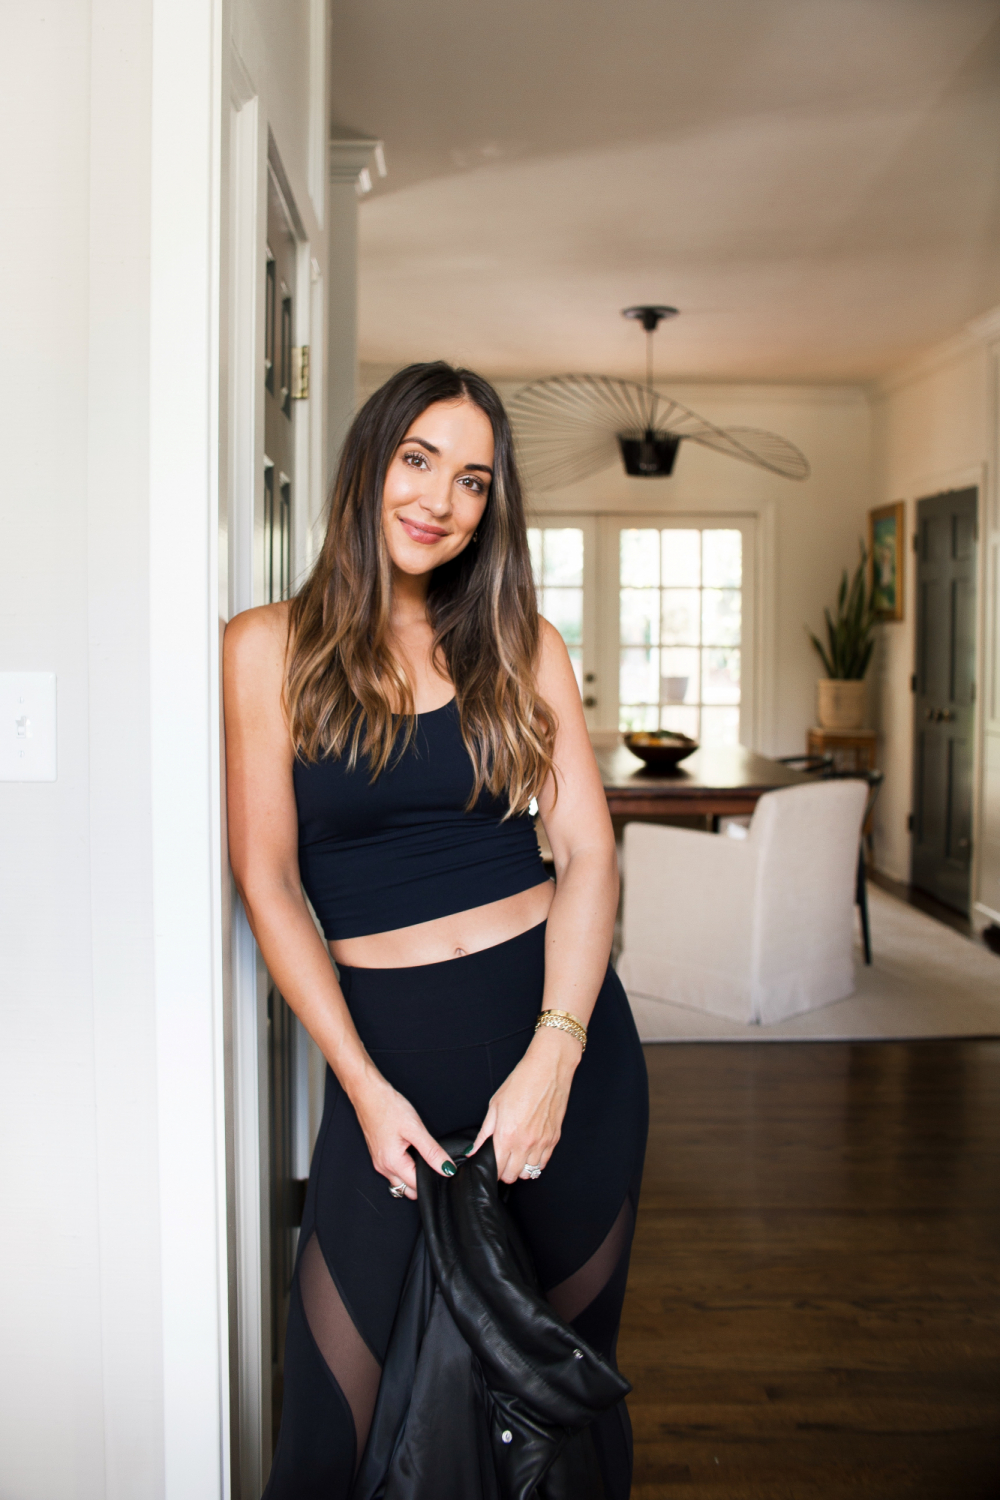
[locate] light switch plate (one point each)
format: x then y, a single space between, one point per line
27 726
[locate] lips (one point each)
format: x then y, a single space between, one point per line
418 531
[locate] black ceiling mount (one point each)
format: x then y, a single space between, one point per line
650 317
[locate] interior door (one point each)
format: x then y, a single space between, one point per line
285 1211
945 686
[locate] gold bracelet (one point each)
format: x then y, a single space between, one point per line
562 1020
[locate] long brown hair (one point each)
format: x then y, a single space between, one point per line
343 682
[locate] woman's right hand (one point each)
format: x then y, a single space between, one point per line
391 1126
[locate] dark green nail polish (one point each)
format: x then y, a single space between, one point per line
448 1168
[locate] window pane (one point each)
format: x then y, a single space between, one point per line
720 726
563 555
683 719
564 609
638 676
640 559
535 548
638 611
723 559
720 674
679 675
638 718
680 617
681 557
720 617
680 590
576 657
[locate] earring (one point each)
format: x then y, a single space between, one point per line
475 535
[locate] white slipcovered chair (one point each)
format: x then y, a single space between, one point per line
756 929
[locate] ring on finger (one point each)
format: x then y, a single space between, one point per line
398 1190
532 1172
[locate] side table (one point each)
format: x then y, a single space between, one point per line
852 749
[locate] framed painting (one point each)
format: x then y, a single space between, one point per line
886 535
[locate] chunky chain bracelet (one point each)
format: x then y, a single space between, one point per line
563 1021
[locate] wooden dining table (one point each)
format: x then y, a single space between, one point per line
722 782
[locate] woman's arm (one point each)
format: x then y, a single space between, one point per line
263 852
526 1113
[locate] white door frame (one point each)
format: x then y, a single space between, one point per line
246 1030
253 158
186 281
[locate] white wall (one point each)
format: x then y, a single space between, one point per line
934 430
55 1186
113 1298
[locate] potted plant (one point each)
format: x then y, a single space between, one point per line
848 650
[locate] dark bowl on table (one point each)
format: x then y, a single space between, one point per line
661 749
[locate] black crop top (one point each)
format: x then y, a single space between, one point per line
377 855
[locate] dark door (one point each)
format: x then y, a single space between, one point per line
945 695
279 478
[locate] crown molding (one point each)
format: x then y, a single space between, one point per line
351 158
977 334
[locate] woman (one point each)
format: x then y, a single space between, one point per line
386 733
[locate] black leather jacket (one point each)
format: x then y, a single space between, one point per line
485 1394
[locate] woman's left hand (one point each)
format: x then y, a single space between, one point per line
526 1112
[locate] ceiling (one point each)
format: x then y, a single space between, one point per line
814 183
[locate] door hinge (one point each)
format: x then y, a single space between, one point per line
913 682
909 822
300 372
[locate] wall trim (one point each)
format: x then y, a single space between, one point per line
973 337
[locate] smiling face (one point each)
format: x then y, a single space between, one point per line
436 486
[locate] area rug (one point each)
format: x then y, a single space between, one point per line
925 980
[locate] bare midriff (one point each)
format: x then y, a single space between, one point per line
447 937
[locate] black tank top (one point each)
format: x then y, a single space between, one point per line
377 855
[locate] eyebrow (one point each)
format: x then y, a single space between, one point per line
481 468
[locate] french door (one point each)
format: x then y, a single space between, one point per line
659 616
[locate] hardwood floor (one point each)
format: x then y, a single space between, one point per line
813 1305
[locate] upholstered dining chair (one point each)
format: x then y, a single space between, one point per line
756 929
823 765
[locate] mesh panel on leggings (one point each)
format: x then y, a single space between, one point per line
578 1291
347 1356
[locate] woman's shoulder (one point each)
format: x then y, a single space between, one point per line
553 669
256 644
259 631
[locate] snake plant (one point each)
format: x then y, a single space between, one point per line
850 641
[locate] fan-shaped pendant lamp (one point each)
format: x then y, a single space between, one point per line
571 426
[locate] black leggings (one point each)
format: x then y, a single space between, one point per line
446 1035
